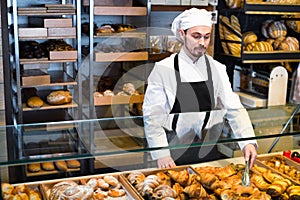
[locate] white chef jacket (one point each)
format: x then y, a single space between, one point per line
161 93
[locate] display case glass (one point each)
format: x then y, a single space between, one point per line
122 136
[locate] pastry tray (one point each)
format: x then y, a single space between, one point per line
260 159
130 194
152 172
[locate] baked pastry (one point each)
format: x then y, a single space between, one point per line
7 188
34 167
129 88
116 192
135 178
102 184
108 93
163 191
59 97
61 165
249 37
195 191
73 164
259 182
180 177
48 166
35 102
146 188
111 180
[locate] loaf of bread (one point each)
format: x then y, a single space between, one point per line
273 29
286 44
59 97
259 46
293 24
34 167
249 37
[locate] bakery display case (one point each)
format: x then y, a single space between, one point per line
99 46
47 158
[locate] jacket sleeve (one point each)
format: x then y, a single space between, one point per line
236 114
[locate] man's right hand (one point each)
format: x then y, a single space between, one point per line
165 162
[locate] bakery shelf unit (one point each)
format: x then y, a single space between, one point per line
123 15
45 57
251 16
117 41
234 50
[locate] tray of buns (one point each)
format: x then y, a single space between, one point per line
21 191
173 183
286 167
106 187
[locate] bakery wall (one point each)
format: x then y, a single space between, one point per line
1 69
4 171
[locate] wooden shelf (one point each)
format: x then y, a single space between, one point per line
125 34
47 38
176 7
110 100
269 8
43 61
49 107
57 78
121 56
119 10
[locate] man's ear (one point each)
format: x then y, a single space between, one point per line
182 34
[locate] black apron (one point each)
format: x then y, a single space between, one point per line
192 97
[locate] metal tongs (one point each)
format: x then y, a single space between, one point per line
246 175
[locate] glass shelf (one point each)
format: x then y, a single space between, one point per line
101 137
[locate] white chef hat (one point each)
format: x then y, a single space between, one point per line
190 18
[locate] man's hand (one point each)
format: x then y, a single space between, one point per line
165 162
250 152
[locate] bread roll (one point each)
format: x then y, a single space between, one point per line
48 166
61 165
35 102
59 97
34 167
73 164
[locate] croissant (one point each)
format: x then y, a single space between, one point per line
164 178
193 178
259 182
208 179
195 190
136 177
163 191
178 188
147 186
180 177
224 172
